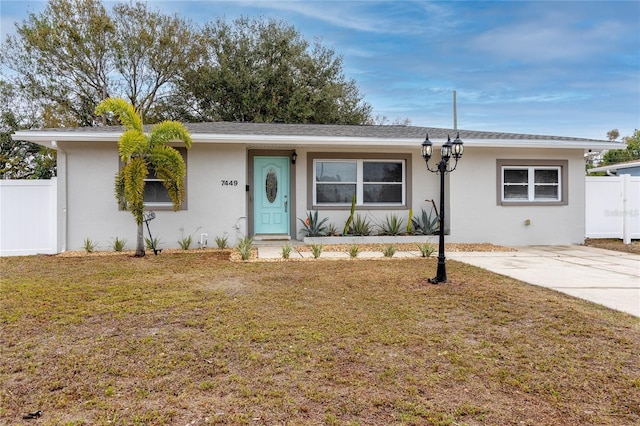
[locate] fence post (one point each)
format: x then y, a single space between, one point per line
626 209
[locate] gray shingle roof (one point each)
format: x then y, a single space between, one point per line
391 132
335 130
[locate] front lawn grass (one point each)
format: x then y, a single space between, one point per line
188 339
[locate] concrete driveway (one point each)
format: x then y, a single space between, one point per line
605 277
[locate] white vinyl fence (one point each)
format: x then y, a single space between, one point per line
28 222
612 207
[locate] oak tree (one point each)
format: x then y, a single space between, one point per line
265 71
76 53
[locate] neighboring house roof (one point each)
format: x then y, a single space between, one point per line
634 164
262 134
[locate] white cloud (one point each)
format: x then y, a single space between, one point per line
378 17
537 41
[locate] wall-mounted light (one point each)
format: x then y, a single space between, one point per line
294 157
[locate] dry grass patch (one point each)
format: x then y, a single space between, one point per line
614 244
188 339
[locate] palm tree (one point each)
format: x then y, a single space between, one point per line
142 152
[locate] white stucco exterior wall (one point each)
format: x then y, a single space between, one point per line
216 204
476 217
91 208
212 208
219 209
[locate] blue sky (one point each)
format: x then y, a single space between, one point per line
566 68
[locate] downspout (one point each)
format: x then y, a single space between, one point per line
61 205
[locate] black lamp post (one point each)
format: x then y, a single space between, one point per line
449 149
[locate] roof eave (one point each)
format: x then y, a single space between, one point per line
616 167
46 137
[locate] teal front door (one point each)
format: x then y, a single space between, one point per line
271 211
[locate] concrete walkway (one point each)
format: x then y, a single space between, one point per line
606 277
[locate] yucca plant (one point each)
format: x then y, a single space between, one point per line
393 225
118 244
89 245
152 244
185 242
332 230
286 251
312 227
426 249
361 226
222 242
316 250
245 246
389 250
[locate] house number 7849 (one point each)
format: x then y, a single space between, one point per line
229 182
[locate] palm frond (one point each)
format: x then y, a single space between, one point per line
119 189
168 158
167 131
132 142
123 110
169 166
135 171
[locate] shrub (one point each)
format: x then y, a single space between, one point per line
426 249
152 244
389 250
393 225
354 250
89 245
286 251
245 246
222 242
118 244
410 222
316 250
311 226
185 242
361 226
332 230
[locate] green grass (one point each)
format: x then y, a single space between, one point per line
184 338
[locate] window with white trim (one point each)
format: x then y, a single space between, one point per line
374 182
531 184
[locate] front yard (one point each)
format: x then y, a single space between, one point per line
187 339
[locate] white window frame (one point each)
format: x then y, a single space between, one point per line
561 166
360 184
156 204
